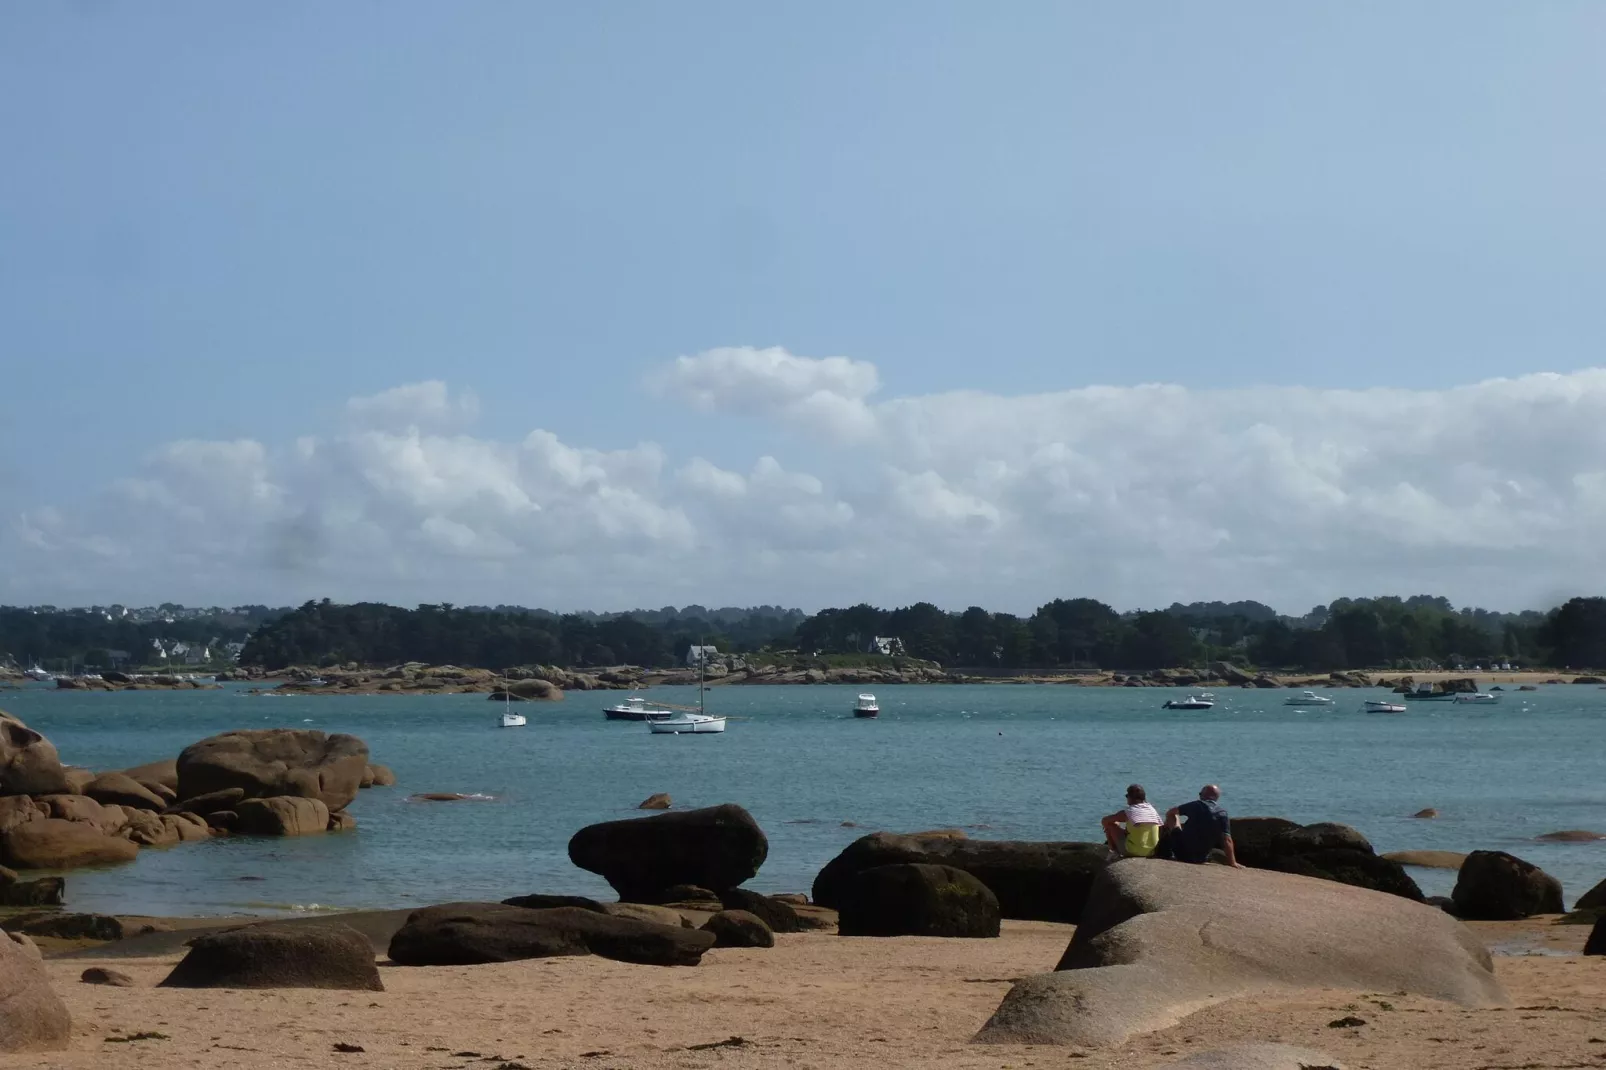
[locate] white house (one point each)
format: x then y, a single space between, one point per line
700 655
886 644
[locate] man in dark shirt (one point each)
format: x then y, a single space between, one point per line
1196 828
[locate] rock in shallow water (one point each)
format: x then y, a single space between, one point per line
717 847
276 762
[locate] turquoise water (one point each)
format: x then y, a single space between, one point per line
1002 761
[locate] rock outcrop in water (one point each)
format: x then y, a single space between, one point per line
1496 886
29 765
1161 940
276 762
718 847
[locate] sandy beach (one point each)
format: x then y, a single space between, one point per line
815 1000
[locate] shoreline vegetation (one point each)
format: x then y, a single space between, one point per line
1064 639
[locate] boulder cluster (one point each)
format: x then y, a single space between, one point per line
270 782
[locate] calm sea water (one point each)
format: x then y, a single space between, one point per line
1003 761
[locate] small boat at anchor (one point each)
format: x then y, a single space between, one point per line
1307 698
635 708
866 707
1477 698
513 720
1426 693
1192 702
1379 706
688 724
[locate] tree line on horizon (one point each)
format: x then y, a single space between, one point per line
1392 633
1386 633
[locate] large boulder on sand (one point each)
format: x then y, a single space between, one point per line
276 955
910 899
275 761
52 843
779 916
1326 850
1033 881
282 815
1161 940
1596 944
1495 886
32 1016
738 928
717 847
44 892
29 765
466 934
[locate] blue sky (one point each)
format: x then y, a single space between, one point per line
225 222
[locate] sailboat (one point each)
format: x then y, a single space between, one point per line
509 718
687 722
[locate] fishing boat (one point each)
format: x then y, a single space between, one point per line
1477 698
1307 698
1378 706
1192 702
866 707
635 708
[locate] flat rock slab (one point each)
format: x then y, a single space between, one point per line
1256 1057
1427 859
1161 940
468 934
279 956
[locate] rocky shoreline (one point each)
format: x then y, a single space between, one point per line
547 683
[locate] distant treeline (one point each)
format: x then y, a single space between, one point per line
323 633
62 639
1420 632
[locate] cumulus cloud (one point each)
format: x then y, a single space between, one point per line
1491 492
825 396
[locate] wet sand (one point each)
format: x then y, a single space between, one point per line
814 1001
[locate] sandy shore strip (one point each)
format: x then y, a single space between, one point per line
814 1001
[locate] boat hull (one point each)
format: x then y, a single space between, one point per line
687 728
866 714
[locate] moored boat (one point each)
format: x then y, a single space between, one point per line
694 724
1477 698
1425 693
1192 702
513 720
1379 706
866 707
1307 698
635 708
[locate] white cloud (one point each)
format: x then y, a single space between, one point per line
427 406
1492 493
821 395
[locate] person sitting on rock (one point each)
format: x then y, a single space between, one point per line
1134 831
1195 829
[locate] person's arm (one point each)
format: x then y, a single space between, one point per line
1232 856
1172 820
1113 822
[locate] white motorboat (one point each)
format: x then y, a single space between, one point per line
1307 698
635 708
1425 693
513 720
866 707
1378 706
687 724
34 672
1477 698
1192 702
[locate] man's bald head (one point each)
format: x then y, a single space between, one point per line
1210 793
